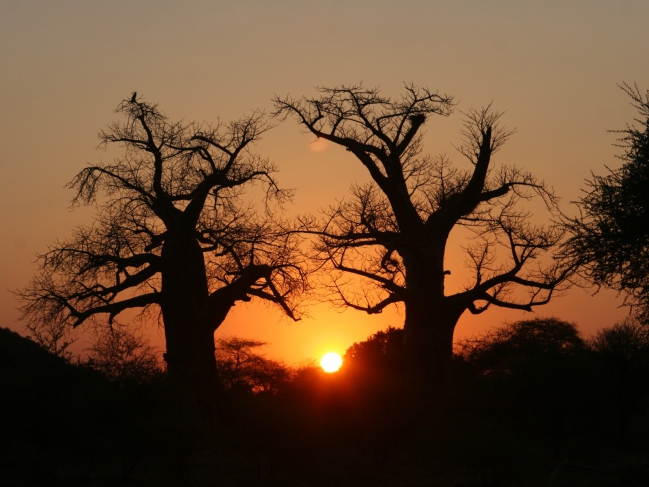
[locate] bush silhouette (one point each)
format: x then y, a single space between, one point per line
537 368
125 357
381 353
623 350
242 369
520 347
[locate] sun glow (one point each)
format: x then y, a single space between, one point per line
331 362
318 145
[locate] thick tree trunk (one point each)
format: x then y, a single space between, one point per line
431 317
428 339
191 365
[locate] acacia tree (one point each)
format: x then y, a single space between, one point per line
172 237
392 233
609 238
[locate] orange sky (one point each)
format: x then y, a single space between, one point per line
65 65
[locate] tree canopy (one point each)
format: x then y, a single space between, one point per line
610 237
243 368
386 243
173 236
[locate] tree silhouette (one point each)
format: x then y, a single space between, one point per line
624 350
382 352
124 356
392 234
173 237
609 238
520 347
242 368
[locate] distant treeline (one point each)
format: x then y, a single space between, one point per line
530 401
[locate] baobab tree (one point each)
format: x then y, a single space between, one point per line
173 237
392 234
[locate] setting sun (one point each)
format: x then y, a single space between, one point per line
331 362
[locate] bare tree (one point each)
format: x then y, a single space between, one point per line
173 237
124 356
392 233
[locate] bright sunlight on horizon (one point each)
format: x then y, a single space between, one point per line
331 362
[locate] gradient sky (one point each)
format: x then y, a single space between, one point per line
554 66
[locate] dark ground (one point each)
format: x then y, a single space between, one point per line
554 424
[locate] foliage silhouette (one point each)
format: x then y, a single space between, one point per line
531 365
512 348
348 428
173 237
609 238
386 244
125 357
624 353
381 353
242 369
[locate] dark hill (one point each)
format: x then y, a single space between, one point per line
40 390
47 405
